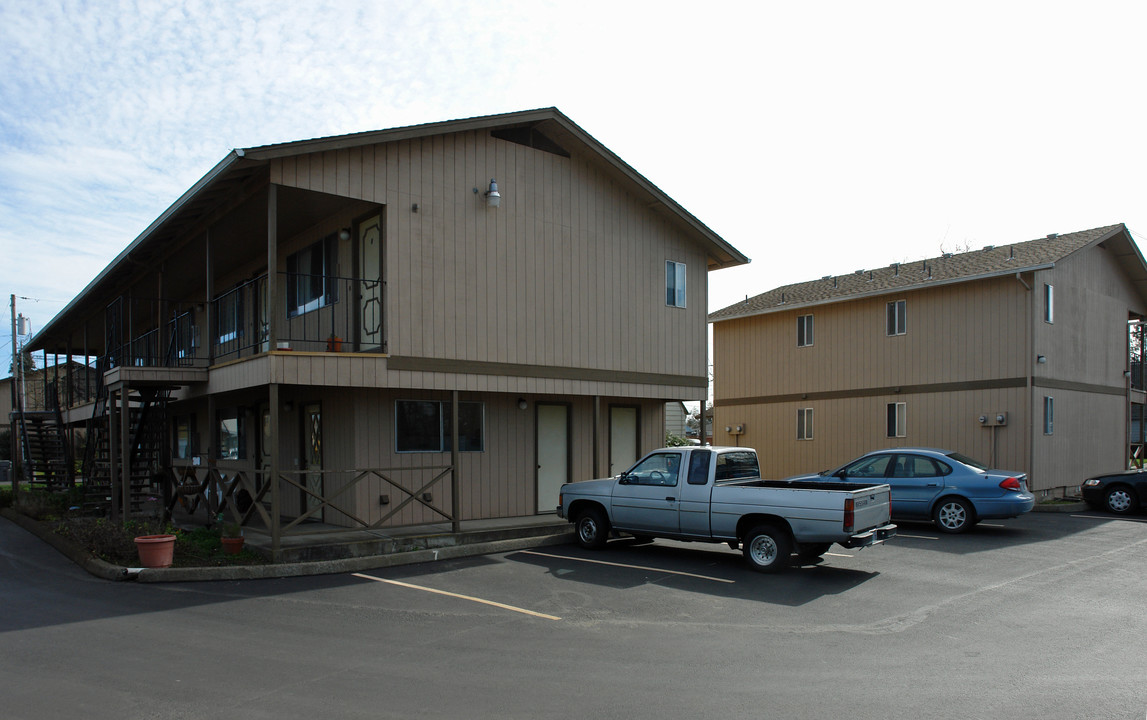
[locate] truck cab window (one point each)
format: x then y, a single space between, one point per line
699 467
657 469
737 465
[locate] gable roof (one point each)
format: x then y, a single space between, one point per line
545 129
991 261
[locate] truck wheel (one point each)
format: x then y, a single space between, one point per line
812 551
767 549
954 515
592 529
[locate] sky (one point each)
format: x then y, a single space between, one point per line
816 138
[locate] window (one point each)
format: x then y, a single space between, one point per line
869 467
1048 303
228 310
183 445
232 436
804 331
656 469
311 282
1048 414
896 322
897 419
804 423
916 466
425 426
736 465
674 284
699 467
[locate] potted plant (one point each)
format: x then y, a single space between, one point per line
155 551
232 538
334 343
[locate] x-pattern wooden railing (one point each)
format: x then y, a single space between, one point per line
211 490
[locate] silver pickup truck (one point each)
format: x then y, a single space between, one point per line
716 494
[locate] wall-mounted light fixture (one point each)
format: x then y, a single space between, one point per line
344 234
1126 373
1040 359
288 406
493 197
521 403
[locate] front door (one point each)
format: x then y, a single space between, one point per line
553 453
370 284
622 438
313 459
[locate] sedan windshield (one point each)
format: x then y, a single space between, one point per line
964 459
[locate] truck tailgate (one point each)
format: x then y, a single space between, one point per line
871 507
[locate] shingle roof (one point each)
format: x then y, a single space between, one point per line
948 268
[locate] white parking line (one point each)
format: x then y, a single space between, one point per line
1108 517
984 524
916 537
456 595
838 555
631 567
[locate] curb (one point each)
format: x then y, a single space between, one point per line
107 571
1060 507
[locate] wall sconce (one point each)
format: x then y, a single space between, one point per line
344 234
493 197
288 406
1126 373
1040 359
521 403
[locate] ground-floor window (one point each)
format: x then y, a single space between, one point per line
232 435
1048 414
897 419
804 423
425 426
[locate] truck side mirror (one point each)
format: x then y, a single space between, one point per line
623 479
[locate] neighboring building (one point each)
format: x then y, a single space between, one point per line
1018 355
675 416
405 306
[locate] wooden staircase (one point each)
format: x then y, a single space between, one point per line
47 456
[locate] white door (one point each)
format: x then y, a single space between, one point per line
370 284
622 439
553 454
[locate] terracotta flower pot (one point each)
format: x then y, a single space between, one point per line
232 545
155 551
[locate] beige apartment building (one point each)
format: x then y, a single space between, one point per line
425 324
1026 356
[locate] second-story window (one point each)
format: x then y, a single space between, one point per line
674 284
1048 303
897 325
804 331
311 280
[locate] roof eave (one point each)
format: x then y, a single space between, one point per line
886 291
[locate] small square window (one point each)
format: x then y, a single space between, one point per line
897 419
897 324
804 331
674 284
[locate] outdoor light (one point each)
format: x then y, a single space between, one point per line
344 234
493 197
521 403
1040 359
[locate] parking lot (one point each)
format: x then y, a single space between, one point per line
1041 616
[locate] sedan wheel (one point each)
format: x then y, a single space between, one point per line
1120 501
954 515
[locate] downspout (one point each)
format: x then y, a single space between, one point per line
1029 343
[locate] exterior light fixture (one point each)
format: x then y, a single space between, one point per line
1041 359
344 234
493 197
521 403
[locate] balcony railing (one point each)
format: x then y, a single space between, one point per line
322 314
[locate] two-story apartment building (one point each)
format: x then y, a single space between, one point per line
425 324
1018 355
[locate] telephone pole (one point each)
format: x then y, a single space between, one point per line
12 416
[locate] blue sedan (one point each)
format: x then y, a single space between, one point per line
952 490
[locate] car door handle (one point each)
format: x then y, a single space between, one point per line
670 499
933 484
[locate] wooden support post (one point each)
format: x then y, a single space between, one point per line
113 454
456 473
125 449
276 524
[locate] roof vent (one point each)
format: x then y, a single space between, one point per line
826 277
1052 236
947 255
859 272
989 247
895 269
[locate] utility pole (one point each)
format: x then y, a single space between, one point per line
11 416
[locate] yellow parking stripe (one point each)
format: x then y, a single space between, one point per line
460 597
